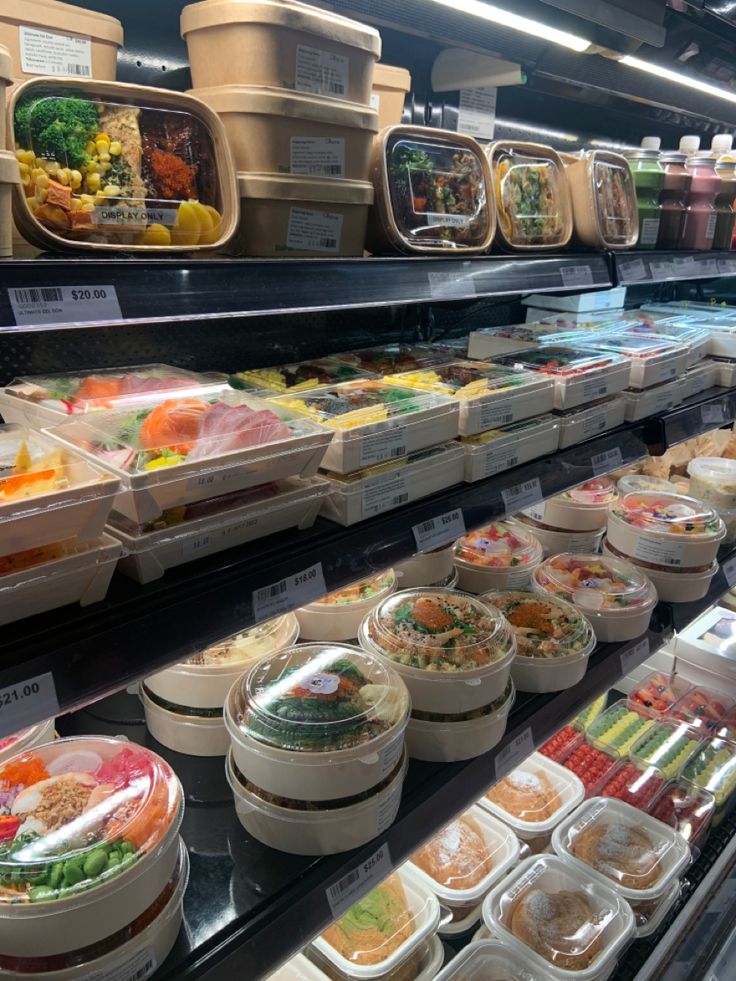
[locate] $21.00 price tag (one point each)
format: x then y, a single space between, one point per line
27 702
439 531
63 304
287 594
516 752
341 895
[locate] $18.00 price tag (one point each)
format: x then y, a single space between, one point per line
63 304
27 702
287 594
342 894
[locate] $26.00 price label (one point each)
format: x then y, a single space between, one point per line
63 304
27 702
286 594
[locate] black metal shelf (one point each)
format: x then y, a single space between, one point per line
641 268
711 409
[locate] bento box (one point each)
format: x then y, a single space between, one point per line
603 199
584 422
652 360
497 450
652 401
303 376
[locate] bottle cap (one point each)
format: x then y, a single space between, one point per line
722 143
651 143
689 144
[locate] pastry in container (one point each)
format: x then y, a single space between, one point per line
90 842
584 422
619 726
532 196
555 540
317 722
652 360
432 193
374 422
553 640
303 376
658 692
713 768
497 450
26 739
674 584
338 615
614 595
453 651
569 925
603 199
489 395
180 450
582 508
502 555
487 960
116 166
434 568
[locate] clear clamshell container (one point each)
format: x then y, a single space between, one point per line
713 768
302 376
116 166
632 783
687 809
488 960
619 727
696 339
668 745
658 692
497 450
393 358
502 555
703 708
652 360
432 193
582 508
338 615
603 199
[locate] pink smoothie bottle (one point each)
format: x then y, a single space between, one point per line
700 225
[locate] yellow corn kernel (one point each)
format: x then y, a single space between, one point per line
112 190
102 137
41 193
76 179
93 182
38 172
116 148
63 176
42 180
91 147
25 156
88 207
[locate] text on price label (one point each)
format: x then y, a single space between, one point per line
344 893
729 571
606 461
633 656
63 304
577 275
286 594
439 531
516 752
522 495
27 702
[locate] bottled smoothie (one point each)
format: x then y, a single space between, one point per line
673 199
648 181
725 160
700 225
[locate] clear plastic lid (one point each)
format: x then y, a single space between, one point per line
437 191
583 719
594 583
466 379
727 725
715 470
565 741
250 645
595 493
619 727
79 812
703 707
668 514
438 630
31 558
13 743
636 483
318 698
298 377
394 358
532 199
633 784
561 362
359 403
658 692
500 545
544 627
615 198
489 960
370 589
635 346
527 794
713 768
677 332
593 765
104 164
687 809
668 745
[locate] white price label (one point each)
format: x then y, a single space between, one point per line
661 553
727 267
522 495
321 72
48 53
595 388
390 444
317 156
286 594
477 112
708 267
27 702
729 571
375 101
439 531
344 893
607 461
592 425
384 492
314 231
633 271
220 538
516 752
666 372
498 461
648 231
216 479
115 215
536 512
577 276
660 270
137 967
713 415
63 304
496 414
633 656
685 266
447 285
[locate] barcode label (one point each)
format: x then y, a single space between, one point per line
447 286
607 461
660 270
497 461
48 53
633 656
439 531
577 276
313 231
476 114
522 495
595 388
594 424
321 72
137 967
496 414
63 304
42 295
633 271
27 702
660 553
384 492
666 371
344 893
649 231
379 447
317 156
729 571
685 266
287 594
516 752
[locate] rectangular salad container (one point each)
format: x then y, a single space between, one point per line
653 360
589 302
432 193
699 378
492 342
113 166
497 450
390 86
393 358
603 199
301 376
577 425
652 401
695 338
713 768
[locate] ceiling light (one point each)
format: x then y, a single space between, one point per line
687 80
504 18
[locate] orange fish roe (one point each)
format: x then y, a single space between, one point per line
24 771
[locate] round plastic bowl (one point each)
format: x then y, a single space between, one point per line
316 831
582 508
339 615
553 540
502 555
42 732
185 732
672 585
317 722
428 569
413 629
635 483
448 739
92 889
713 479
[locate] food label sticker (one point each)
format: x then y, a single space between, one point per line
499 460
448 220
633 656
649 231
727 267
577 275
594 424
446 285
344 893
321 72
536 512
115 215
287 594
666 371
660 553
48 53
713 415
516 752
729 571
27 702
317 156
439 531
390 757
633 271
664 402
390 444
216 540
316 231
607 461
522 495
595 388
63 304
215 479
660 270
137 967
376 101
710 229
496 414
384 492
476 114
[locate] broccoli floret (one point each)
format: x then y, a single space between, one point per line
57 129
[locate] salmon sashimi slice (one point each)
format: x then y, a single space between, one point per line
226 428
99 388
173 425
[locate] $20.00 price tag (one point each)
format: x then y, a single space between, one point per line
63 304
342 894
27 702
287 594
439 531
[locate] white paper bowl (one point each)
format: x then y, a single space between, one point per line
189 734
450 742
428 569
673 586
325 621
474 578
542 674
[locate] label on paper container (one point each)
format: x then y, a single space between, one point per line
384 492
47 53
137 967
594 424
317 156
389 444
476 114
321 72
315 231
660 553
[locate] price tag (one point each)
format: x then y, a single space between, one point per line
496 414
633 656
63 304
439 531
137 967
522 495
729 571
707 267
727 267
516 752
450 285
607 461
384 492
660 270
27 702
287 594
390 444
577 276
713 414
685 266
633 271
344 893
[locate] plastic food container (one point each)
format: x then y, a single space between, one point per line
121 808
338 615
687 809
658 692
707 644
45 37
498 450
392 358
187 449
317 722
650 916
500 556
577 425
603 199
633 784
699 379
696 339
653 359
52 576
453 651
636 483
614 595
673 584
652 401
192 731
439 737
374 422
26 739
713 480
703 708
665 529
289 379
619 727
554 540
564 742
579 376
390 86
298 969
492 342
488 960
532 196
582 508
275 131
286 45
316 828
593 765
553 640
409 914
726 372
713 768
488 395
170 184
432 193
433 568
569 926
668 745
386 486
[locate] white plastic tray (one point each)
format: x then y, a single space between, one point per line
498 450
697 379
583 423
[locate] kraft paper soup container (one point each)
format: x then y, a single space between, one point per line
582 508
555 540
673 584
502 555
338 615
194 732
390 86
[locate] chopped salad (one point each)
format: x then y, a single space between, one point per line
498 546
543 627
667 513
593 582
